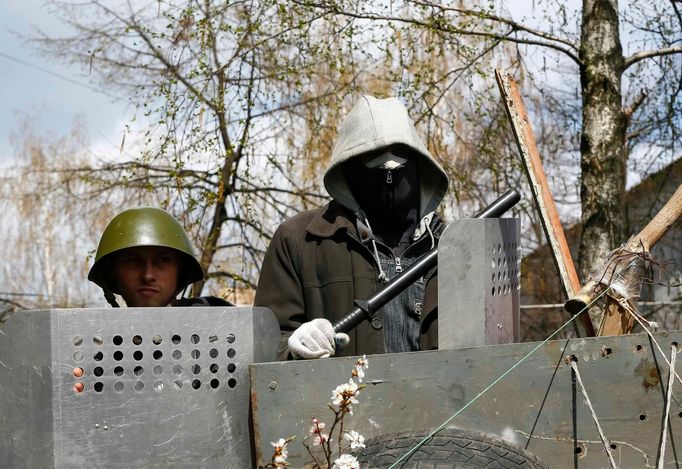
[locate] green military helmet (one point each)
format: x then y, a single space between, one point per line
144 226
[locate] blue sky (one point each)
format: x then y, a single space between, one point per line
51 93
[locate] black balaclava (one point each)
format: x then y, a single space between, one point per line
388 197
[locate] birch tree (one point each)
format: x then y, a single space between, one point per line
52 222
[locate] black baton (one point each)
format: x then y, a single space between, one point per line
399 283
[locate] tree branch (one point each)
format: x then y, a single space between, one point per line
500 19
634 58
450 29
232 275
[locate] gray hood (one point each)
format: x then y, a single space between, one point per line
372 125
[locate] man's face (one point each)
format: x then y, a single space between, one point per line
146 275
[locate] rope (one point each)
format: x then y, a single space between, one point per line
671 381
607 444
490 386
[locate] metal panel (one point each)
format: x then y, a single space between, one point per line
163 387
478 283
536 406
26 425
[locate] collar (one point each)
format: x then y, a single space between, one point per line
330 219
334 217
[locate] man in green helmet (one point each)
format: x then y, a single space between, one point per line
144 255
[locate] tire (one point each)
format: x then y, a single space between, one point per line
448 449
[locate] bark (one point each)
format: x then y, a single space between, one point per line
602 143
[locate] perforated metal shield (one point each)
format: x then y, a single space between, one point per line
479 269
136 387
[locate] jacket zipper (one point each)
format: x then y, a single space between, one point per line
398 260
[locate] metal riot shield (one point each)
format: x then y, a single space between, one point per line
134 387
479 272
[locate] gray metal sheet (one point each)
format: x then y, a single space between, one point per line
536 406
163 387
479 269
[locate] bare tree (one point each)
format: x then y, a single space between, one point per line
53 222
238 104
216 85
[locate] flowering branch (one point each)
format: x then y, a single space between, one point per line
343 398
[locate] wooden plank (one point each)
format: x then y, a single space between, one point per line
531 406
551 224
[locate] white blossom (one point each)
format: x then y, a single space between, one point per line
344 395
362 362
316 431
346 461
316 427
360 366
355 439
279 444
320 438
281 452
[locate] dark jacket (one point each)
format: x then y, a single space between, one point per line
319 261
317 265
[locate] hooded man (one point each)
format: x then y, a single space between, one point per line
144 255
385 187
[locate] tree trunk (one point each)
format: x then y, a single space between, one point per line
602 142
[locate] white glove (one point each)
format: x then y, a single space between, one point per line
316 339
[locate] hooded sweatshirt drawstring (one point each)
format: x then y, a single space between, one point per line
425 226
433 238
382 275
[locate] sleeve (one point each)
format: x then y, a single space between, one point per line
279 284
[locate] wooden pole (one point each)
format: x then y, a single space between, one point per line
551 224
